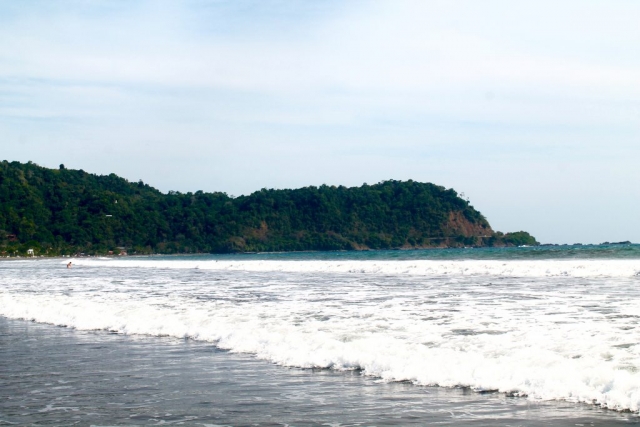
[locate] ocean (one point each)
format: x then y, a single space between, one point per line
513 336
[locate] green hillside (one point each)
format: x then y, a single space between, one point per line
62 211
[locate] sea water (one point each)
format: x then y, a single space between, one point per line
549 328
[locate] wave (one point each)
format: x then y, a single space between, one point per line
510 268
418 321
504 361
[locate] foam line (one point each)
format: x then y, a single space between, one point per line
512 268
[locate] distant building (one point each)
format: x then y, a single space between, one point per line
30 252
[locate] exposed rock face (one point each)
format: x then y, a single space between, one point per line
459 225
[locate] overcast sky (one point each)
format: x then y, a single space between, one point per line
531 109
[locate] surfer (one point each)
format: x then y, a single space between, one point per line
69 265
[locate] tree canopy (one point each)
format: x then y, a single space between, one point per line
65 211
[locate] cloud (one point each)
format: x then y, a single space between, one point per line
404 46
235 96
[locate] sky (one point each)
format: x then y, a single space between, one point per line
530 109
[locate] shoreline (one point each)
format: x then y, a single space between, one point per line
564 251
260 379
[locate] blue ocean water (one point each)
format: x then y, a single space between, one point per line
605 251
511 336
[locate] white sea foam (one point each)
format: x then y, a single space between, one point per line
512 268
520 326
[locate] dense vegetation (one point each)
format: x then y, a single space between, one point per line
62 211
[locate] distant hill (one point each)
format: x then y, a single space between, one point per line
63 211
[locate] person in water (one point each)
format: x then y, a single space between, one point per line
69 265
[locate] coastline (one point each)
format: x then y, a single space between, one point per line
219 387
588 251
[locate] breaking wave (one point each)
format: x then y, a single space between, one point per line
544 329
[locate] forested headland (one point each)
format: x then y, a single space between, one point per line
62 211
